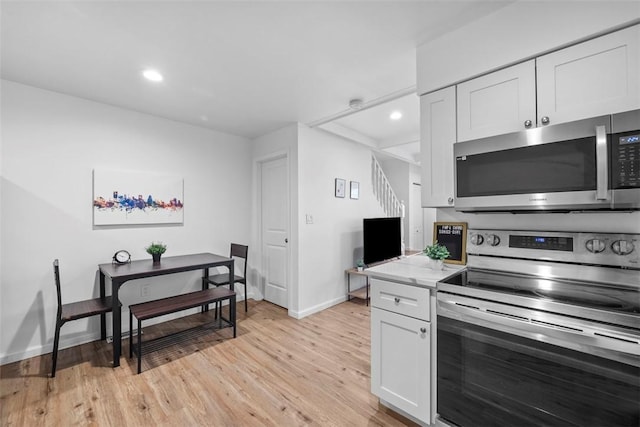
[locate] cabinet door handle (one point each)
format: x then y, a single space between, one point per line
545 120
397 300
528 123
423 330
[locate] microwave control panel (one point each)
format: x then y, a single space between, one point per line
626 160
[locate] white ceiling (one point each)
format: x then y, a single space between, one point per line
373 127
244 68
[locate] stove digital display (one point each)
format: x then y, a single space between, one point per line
546 243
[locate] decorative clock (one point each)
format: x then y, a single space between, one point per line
122 257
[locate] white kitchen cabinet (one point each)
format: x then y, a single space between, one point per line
497 103
410 301
401 347
437 136
590 79
401 362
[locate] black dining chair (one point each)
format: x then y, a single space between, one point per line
238 252
73 311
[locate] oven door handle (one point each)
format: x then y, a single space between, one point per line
587 337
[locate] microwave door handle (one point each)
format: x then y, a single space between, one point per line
602 162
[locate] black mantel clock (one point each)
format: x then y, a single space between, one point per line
121 257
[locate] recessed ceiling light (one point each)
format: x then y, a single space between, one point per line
152 75
396 115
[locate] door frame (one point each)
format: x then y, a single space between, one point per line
258 164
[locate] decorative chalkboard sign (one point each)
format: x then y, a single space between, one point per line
453 235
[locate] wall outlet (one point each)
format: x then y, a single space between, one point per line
309 219
144 290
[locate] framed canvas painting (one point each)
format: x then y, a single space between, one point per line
130 197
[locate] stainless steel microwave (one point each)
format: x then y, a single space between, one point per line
591 164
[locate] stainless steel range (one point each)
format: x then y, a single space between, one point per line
541 329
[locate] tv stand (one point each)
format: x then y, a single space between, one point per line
360 293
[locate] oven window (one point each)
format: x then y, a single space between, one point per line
491 378
546 168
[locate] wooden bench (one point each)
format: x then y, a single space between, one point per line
150 309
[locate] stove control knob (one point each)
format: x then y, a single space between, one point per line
595 246
622 247
493 240
477 239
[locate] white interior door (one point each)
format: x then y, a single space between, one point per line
275 230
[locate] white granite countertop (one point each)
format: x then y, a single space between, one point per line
412 270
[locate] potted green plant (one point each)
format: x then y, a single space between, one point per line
156 249
360 264
437 253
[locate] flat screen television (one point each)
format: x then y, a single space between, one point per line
382 239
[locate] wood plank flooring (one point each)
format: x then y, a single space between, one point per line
279 371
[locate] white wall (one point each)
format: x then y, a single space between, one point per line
334 241
522 30
50 145
416 234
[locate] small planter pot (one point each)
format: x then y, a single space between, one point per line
156 258
436 264
360 268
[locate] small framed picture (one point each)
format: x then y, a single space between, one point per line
355 190
340 187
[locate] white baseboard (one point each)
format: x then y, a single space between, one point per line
316 308
39 350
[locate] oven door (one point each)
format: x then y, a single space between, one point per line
561 167
500 365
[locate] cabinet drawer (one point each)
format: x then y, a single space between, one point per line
402 299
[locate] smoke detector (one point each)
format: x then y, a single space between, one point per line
356 104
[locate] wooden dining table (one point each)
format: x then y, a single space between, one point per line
119 274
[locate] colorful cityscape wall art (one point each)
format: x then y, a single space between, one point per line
128 197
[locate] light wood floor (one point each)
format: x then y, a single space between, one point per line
277 372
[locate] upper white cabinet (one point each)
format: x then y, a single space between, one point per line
497 103
594 78
437 136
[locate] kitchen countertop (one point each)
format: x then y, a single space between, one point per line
412 270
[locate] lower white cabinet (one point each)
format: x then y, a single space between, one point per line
401 362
